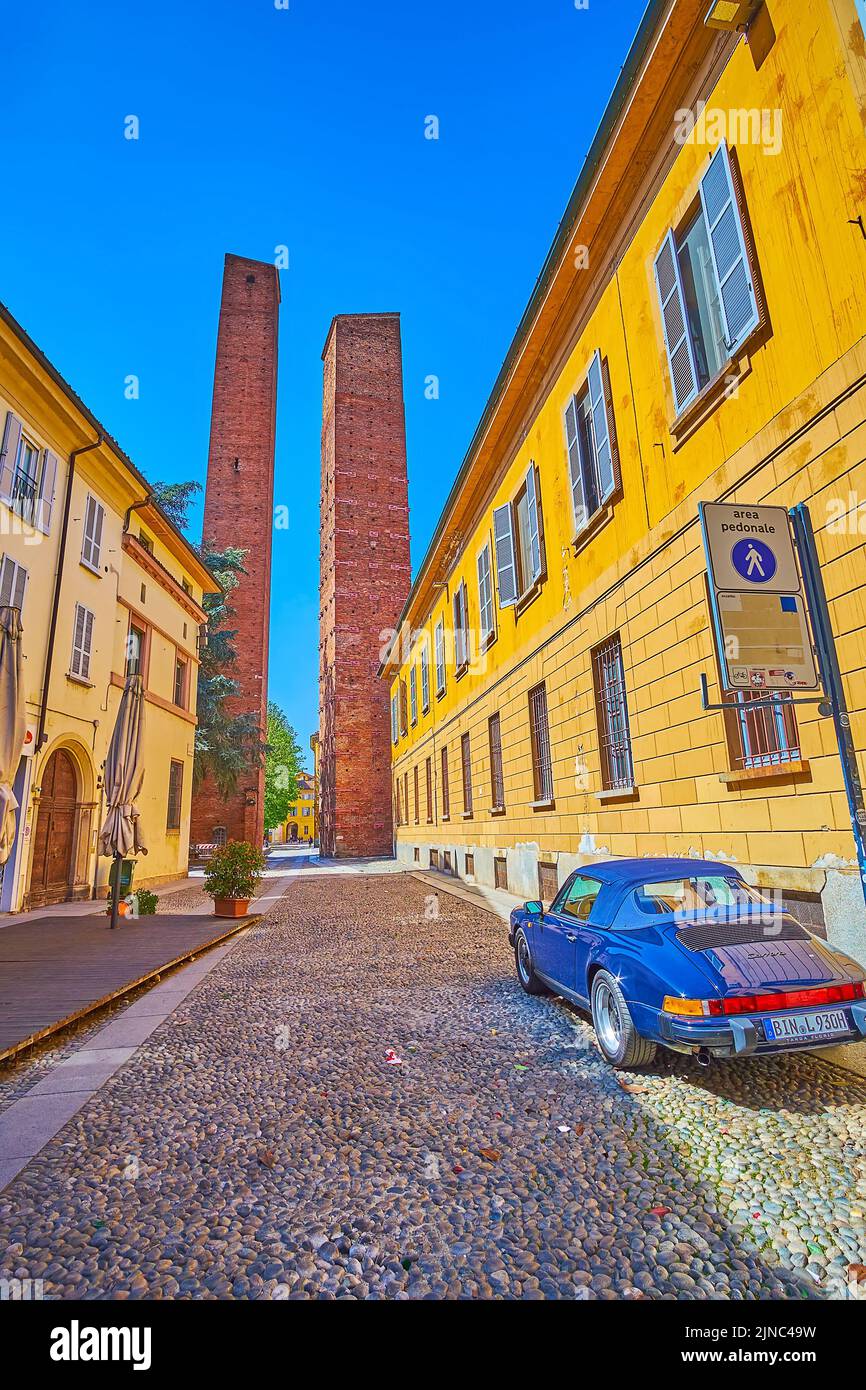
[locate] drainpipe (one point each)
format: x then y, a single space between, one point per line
145 502
58 584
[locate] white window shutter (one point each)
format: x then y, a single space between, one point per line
601 430
534 527
46 492
681 357
506 567
575 466
728 249
9 453
13 584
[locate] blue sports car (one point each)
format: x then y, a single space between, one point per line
682 952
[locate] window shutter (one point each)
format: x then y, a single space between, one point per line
534 523
440 658
13 584
601 430
458 629
485 597
506 568
578 492
46 492
91 546
9 453
611 424
728 248
681 358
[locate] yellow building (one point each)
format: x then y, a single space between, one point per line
300 823
106 586
696 334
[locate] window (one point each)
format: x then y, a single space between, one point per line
612 716
13 583
579 898
469 865
417 798
446 792
466 764
145 541
518 540
542 766
91 544
404 727
767 737
219 835
497 785
395 731
398 816
82 641
485 596
439 642
428 778
406 798
27 477
186 586
180 671
175 795
135 651
425 677
500 873
461 629
696 895
706 285
593 460
413 695
547 881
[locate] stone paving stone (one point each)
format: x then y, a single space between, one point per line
261 1146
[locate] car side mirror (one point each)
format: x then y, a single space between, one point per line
535 909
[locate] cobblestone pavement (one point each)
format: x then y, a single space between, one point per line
260 1145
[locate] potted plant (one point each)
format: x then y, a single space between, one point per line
234 872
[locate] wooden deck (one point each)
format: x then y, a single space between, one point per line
56 970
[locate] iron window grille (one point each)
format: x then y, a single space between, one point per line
428 777
415 789
446 797
617 768
466 760
767 737
539 728
175 794
497 782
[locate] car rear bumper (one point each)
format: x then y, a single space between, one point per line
739 1037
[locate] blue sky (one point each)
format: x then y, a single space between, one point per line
303 127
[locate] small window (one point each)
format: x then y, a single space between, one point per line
413 695
434 859
91 543
497 784
446 861
406 797
219 835
439 640
395 727
145 541
706 284
13 583
175 796
25 480
180 674
500 872
466 764
611 709
765 737
186 586
593 461
485 596
446 791
416 854
428 778
425 677
82 642
461 630
404 723
135 650
539 728
469 865
417 797
547 881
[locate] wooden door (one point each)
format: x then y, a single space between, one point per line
54 841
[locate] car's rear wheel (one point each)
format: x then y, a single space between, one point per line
617 1036
525 969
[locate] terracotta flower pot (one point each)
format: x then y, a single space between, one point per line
231 907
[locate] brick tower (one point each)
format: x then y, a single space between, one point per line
239 503
365 577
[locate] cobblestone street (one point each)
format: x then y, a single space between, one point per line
260 1144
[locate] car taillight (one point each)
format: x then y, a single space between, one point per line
790 999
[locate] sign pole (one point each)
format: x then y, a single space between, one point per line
816 597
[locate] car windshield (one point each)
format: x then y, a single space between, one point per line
703 893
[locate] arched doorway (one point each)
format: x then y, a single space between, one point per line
52 872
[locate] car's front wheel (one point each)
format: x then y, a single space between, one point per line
618 1039
525 969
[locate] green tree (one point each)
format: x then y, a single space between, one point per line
283 762
175 499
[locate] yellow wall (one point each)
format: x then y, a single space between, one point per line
81 714
791 430
302 812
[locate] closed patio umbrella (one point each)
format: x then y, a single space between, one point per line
13 723
121 832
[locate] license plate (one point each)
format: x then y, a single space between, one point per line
795 1026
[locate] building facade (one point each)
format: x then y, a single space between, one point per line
300 825
106 586
365 576
696 334
239 511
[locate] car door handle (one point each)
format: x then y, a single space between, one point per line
570 936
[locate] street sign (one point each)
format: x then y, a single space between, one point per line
759 612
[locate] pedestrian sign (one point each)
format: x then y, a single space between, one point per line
759 612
